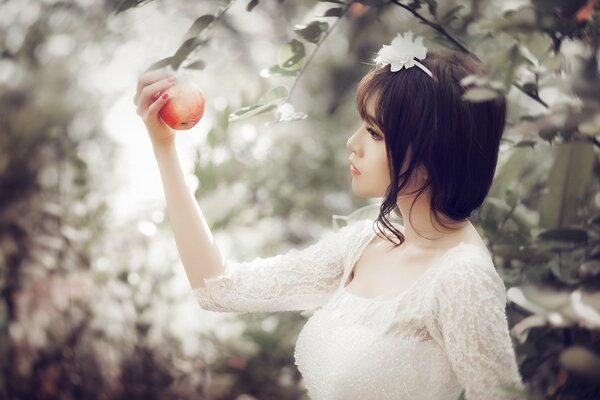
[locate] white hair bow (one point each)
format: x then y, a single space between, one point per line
403 52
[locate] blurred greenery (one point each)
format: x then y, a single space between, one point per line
80 306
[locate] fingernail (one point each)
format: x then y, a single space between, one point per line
164 96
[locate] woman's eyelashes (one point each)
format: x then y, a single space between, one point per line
373 134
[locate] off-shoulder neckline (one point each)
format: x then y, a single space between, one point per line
421 278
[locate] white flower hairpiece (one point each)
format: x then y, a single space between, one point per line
402 52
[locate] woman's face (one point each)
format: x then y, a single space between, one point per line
368 154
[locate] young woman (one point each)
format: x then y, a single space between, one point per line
405 311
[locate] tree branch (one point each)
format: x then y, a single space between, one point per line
534 96
457 43
289 96
435 26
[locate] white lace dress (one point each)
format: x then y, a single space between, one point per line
447 332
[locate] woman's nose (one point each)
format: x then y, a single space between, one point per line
351 143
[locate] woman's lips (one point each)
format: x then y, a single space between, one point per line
354 170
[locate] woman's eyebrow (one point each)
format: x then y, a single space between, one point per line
366 115
370 118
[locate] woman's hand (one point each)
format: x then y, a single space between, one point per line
149 99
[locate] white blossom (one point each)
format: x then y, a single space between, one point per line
401 53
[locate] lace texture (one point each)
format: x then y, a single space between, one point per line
297 280
445 333
471 326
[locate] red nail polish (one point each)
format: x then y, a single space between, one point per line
164 96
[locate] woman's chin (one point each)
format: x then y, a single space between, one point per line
361 192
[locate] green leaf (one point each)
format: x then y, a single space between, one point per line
415 5
276 70
199 25
291 55
515 59
567 183
199 65
529 255
334 12
267 102
223 118
184 51
548 133
250 111
523 19
539 44
212 137
553 61
570 236
473 79
251 5
450 16
160 64
526 143
274 94
531 88
540 299
313 32
479 94
562 268
127 4
590 268
432 6
379 4
580 360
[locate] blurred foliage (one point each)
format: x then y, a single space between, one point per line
79 315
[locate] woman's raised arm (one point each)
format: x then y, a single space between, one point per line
296 280
197 249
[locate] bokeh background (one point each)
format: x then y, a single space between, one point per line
94 302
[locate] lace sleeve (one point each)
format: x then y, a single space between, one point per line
297 280
471 326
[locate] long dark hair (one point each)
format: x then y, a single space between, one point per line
456 140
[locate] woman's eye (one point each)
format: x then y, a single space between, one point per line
373 133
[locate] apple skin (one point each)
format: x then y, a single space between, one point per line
185 105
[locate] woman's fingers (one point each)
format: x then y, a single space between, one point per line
149 78
157 105
151 92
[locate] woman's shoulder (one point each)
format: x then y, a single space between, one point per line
346 237
470 266
354 234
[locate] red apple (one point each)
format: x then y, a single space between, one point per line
185 106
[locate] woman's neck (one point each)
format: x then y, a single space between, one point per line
422 230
